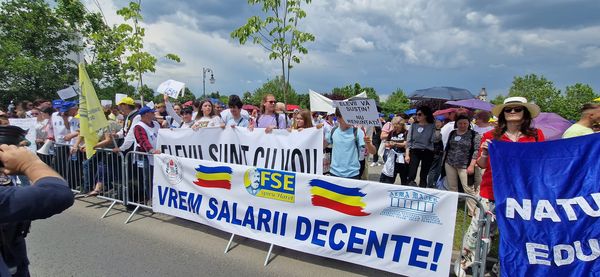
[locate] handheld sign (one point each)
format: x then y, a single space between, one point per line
171 88
359 112
119 96
67 93
29 125
105 103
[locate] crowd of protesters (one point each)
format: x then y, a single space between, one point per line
448 151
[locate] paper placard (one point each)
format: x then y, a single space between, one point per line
29 125
359 112
171 88
105 103
119 96
67 93
150 104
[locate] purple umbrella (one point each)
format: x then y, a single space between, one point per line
475 104
552 125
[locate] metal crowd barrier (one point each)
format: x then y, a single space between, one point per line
104 177
138 181
68 165
483 242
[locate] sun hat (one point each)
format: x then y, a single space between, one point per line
533 109
127 101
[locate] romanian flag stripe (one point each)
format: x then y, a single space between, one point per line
342 208
214 169
213 184
213 176
346 200
335 188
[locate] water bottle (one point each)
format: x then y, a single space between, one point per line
74 156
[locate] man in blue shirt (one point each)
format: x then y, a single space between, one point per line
348 142
48 195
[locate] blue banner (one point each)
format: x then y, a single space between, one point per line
548 204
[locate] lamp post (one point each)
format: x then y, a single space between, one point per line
211 80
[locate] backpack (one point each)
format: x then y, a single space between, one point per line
354 130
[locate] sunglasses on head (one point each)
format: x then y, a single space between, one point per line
513 109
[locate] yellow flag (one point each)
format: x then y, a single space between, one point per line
597 99
92 116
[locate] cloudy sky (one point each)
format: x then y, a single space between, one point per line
385 44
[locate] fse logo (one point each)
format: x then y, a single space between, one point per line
271 184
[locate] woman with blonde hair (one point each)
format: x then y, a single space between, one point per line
395 146
302 120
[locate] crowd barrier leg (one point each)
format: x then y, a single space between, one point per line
269 254
482 242
138 188
110 178
229 243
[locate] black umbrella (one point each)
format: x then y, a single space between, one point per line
445 93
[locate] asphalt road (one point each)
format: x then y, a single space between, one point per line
79 243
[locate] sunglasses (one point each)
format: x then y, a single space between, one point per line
35 114
419 114
272 102
513 109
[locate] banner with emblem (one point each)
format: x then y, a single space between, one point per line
280 149
405 230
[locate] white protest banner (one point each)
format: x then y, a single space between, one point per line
171 88
359 112
405 230
280 149
119 96
29 125
67 93
105 103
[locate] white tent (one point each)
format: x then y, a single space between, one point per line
320 103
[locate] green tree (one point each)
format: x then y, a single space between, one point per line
130 48
278 33
274 87
537 89
498 100
352 90
396 102
35 44
575 96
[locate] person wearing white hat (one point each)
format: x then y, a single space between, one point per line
515 118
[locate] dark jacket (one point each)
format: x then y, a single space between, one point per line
47 197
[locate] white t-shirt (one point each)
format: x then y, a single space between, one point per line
206 121
226 115
58 127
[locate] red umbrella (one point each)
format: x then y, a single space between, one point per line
249 107
188 103
445 111
291 107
